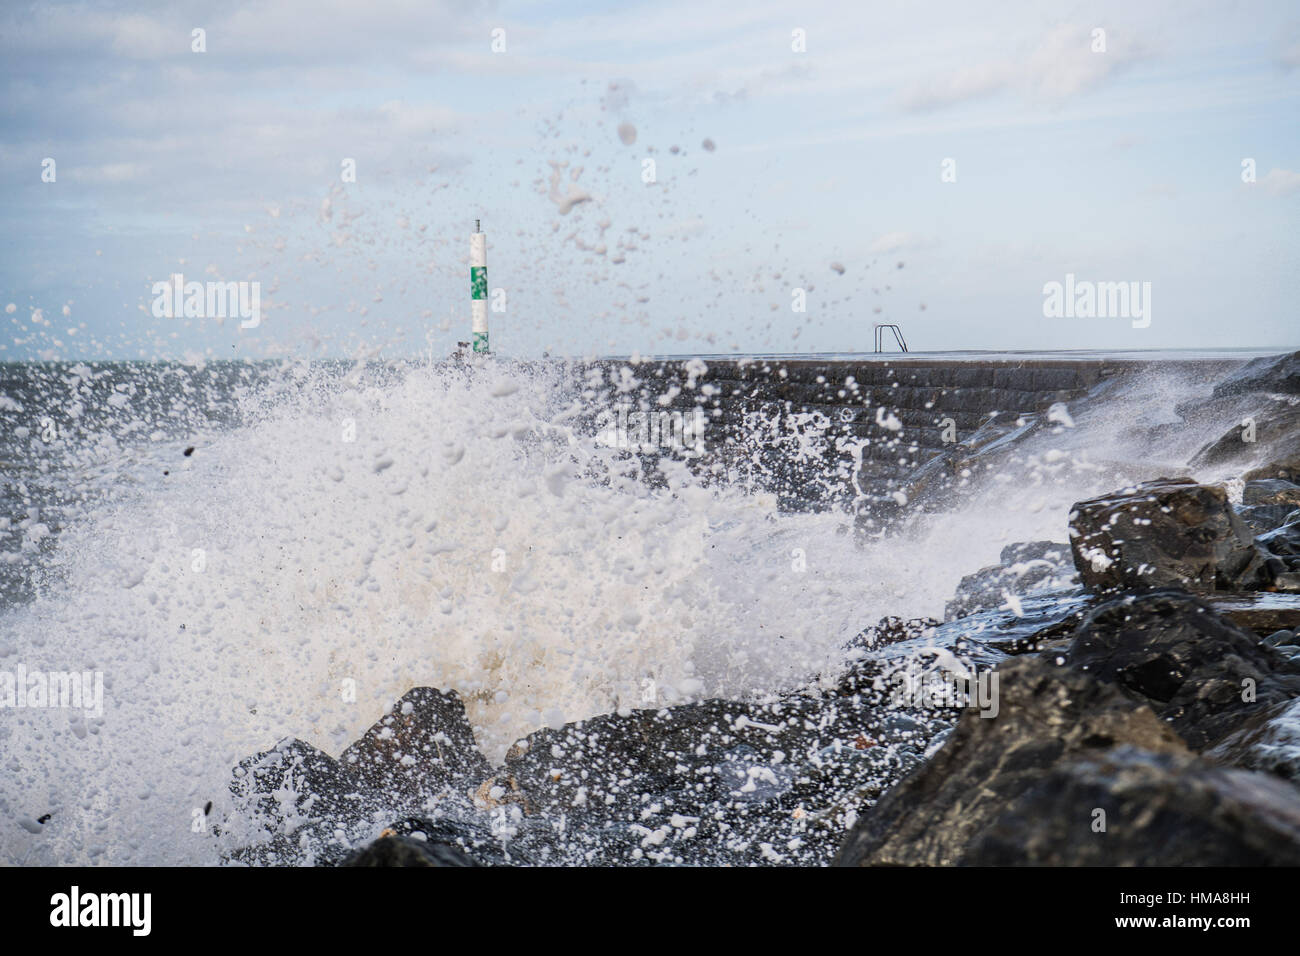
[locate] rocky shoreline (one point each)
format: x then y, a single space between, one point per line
1130 696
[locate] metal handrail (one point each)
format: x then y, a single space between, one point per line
898 335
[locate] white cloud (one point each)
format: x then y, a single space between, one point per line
1062 65
1280 182
139 37
956 87
278 31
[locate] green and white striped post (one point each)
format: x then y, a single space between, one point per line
478 287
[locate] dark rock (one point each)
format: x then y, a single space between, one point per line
416 841
295 805
892 630
1283 463
1263 436
1165 532
1271 491
1039 621
1053 552
609 761
1047 716
1282 545
1280 637
1025 568
1163 809
408 851
874 677
1279 374
1258 425
1260 519
417 751
1262 612
1192 666
1283 542
1268 741
298 807
714 782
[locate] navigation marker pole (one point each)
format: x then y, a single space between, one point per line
478 287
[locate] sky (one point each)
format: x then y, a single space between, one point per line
653 178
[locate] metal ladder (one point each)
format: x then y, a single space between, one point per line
898 335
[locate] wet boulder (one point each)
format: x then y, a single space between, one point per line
1026 624
423 747
1165 532
1284 541
711 783
1283 463
1282 546
1269 428
1196 669
889 660
408 851
1276 374
1271 491
1280 637
1048 716
1024 568
1261 519
691 754
1261 612
295 805
1269 503
1255 425
1269 741
1054 553
891 630
446 841
1130 807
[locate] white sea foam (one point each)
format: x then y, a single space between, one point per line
440 529
463 539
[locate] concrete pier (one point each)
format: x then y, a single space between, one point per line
884 417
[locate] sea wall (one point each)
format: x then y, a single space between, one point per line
875 424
